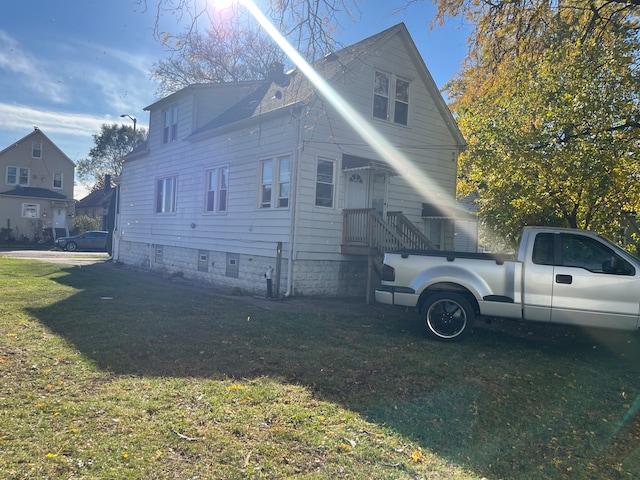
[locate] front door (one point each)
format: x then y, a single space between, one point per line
59 222
357 189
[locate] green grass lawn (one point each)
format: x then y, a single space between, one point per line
106 373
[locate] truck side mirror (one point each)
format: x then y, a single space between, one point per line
616 265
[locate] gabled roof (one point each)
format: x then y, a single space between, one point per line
293 87
99 198
38 133
34 192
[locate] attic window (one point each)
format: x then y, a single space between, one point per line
391 98
36 150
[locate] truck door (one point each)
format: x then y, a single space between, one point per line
538 279
593 285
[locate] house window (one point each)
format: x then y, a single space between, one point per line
170 132
166 195
385 88
217 182
275 179
401 108
57 179
17 176
284 183
30 210
325 180
265 184
36 150
381 96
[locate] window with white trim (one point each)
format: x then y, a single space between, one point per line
30 210
217 185
275 182
166 195
391 98
325 182
17 176
36 150
57 179
170 131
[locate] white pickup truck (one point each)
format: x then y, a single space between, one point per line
563 276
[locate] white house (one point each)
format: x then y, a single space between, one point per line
36 194
240 177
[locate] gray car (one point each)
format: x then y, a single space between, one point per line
94 240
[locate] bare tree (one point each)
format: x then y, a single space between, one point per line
234 50
309 25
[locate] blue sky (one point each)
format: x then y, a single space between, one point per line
69 66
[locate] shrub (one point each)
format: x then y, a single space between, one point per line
84 223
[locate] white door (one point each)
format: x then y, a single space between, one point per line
357 190
59 221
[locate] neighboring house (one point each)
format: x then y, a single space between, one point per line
97 204
238 178
36 190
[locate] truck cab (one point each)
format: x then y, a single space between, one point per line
580 278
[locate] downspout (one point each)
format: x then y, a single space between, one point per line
115 251
294 209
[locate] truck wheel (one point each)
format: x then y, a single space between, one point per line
449 316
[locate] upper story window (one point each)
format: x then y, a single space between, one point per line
170 131
166 195
325 183
217 186
275 182
57 179
36 150
391 98
17 176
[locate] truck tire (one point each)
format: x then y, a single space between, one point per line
449 316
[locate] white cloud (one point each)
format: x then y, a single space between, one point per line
31 71
22 117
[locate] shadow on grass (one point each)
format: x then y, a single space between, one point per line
511 392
